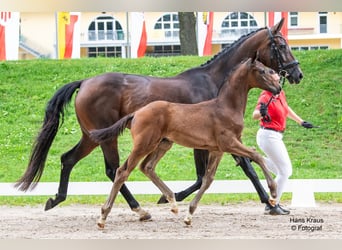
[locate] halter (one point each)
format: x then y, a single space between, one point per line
275 52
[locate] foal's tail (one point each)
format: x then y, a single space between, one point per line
100 135
54 111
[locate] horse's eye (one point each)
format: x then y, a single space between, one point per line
272 71
262 71
282 46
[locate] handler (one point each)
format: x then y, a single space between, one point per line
272 111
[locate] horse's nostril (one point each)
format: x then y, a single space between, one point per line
300 76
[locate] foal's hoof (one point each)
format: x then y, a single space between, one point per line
187 221
101 223
174 210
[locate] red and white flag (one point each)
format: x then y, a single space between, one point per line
205 22
138 34
274 17
9 35
68 25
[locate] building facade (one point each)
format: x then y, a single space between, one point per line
108 34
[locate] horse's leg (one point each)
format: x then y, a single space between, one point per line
112 161
68 161
214 160
121 176
237 148
148 168
247 167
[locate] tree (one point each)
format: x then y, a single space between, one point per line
187 33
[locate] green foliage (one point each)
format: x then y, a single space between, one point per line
26 87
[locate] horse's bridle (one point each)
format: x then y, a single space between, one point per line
283 68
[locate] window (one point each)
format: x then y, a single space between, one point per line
293 18
323 22
315 47
105 51
165 50
238 23
169 24
105 28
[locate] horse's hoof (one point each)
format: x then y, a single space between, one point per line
145 217
162 200
49 204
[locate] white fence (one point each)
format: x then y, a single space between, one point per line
302 189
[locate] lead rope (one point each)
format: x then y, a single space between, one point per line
283 74
282 78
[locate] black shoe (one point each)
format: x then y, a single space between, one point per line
278 210
267 209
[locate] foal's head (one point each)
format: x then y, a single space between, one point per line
261 76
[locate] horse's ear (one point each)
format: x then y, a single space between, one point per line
277 27
255 57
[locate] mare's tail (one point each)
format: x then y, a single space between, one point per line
100 135
54 111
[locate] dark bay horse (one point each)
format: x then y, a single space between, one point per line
104 99
218 131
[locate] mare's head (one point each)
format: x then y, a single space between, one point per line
276 53
260 76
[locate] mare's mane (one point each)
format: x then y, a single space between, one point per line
225 52
230 48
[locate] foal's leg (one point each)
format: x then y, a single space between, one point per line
68 161
249 171
237 148
148 168
214 160
121 176
111 155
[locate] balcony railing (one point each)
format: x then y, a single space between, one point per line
233 34
91 38
105 35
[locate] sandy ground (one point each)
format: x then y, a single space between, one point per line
238 221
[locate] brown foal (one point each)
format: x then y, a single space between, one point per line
157 125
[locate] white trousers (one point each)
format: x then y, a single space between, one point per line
277 158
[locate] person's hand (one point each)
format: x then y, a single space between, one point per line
263 112
306 124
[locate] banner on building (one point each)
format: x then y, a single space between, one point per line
68 35
138 34
275 17
205 22
9 35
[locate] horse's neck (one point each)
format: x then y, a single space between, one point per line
234 92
